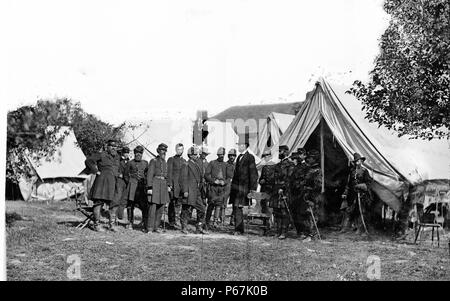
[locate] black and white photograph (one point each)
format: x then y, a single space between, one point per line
225 146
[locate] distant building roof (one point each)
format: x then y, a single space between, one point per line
257 111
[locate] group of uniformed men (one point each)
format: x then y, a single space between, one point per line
294 186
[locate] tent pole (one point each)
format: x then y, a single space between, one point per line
322 155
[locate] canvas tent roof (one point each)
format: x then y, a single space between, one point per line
392 160
276 125
153 132
59 176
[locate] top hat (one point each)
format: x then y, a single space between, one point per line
244 139
357 156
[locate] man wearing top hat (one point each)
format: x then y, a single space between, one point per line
280 197
245 179
157 190
218 175
121 185
106 167
191 181
135 193
358 187
174 167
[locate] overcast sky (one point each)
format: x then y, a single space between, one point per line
147 59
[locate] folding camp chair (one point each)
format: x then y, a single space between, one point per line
255 211
83 205
432 217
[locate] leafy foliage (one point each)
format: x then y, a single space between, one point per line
34 132
409 89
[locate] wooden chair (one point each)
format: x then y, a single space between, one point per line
255 211
83 205
432 218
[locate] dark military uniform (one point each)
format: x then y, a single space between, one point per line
267 182
279 202
121 186
191 182
358 185
174 167
203 164
135 193
312 198
157 182
104 187
297 183
217 170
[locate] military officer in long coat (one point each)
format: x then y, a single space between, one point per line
135 193
232 154
106 167
157 190
192 198
203 164
218 175
121 185
245 179
358 187
297 183
312 193
174 167
280 197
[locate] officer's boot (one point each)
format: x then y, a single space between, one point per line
130 216
345 227
112 220
96 219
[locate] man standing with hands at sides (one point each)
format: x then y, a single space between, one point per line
121 185
217 176
230 166
174 167
192 199
157 190
245 179
135 193
106 167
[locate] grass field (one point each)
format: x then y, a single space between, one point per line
41 237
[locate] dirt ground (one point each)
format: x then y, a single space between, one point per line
42 241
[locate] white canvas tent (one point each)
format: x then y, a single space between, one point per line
272 130
151 133
58 177
395 162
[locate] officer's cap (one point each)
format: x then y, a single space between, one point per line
139 149
192 151
162 146
232 152
204 150
221 151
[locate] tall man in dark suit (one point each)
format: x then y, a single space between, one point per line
245 179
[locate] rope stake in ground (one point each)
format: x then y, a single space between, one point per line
314 221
